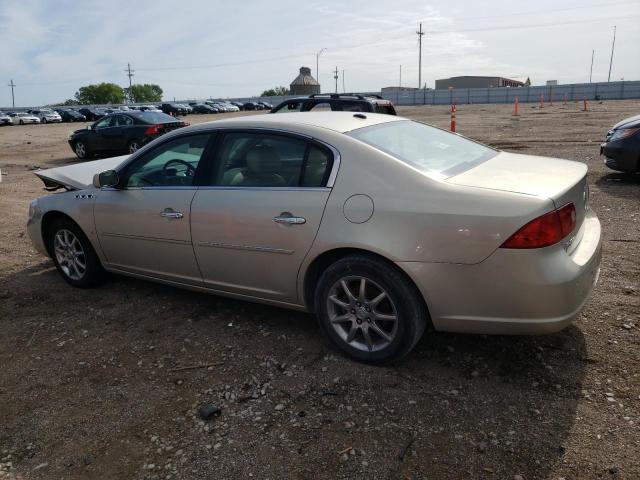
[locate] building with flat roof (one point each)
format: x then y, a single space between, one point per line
478 82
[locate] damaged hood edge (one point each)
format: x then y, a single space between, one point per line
78 176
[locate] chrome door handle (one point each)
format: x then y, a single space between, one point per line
169 213
287 218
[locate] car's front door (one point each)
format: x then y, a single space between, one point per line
143 225
96 140
256 222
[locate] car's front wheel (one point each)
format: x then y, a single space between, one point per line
44 120
81 150
369 309
73 255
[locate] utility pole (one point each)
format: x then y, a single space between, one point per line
400 76
420 34
612 47
343 90
318 53
335 76
13 98
129 74
591 71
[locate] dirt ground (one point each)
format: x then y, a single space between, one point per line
91 385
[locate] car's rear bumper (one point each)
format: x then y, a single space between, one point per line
513 291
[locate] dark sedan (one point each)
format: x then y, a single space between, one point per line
203 108
69 115
621 148
252 106
123 132
92 114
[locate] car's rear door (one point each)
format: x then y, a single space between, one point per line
254 224
143 226
114 136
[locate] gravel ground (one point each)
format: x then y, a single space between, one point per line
96 384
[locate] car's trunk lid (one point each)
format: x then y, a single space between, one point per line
562 181
78 176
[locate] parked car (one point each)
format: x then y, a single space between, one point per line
462 237
251 106
203 108
46 115
121 132
266 105
92 114
149 108
5 119
22 118
174 109
70 115
350 102
237 104
621 148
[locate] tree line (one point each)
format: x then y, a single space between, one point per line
106 93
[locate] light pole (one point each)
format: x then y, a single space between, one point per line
318 53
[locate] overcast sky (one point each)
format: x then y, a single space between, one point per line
203 48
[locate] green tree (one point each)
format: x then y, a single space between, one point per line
276 92
100 93
144 93
67 103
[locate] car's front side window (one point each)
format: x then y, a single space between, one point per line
290 107
321 107
172 164
270 160
104 123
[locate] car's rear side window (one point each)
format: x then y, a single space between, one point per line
431 150
290 107
251 159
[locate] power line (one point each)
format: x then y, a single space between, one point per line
13 98
420 34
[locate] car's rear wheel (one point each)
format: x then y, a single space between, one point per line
81 150
73 255
21 122
134 145
369 309
44 120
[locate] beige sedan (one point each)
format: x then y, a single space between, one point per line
380 225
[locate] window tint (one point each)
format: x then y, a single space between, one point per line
353 106
123 120
171 164
321 107
103 123
290 107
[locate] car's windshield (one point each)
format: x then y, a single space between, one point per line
435 152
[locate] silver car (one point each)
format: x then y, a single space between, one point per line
380 225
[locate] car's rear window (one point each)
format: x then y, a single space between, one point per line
435 152
155 117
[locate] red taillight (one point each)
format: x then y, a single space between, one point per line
153 130
546 230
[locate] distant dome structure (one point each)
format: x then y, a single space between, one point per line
304 83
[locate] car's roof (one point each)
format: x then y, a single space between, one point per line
338 121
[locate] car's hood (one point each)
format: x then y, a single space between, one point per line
78 176
628 122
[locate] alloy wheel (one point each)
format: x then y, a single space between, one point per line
362 313
70 254
81 151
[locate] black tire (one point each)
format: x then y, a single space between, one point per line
410 309
21 122
44 120
93 273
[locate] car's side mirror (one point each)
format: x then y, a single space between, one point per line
108 178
